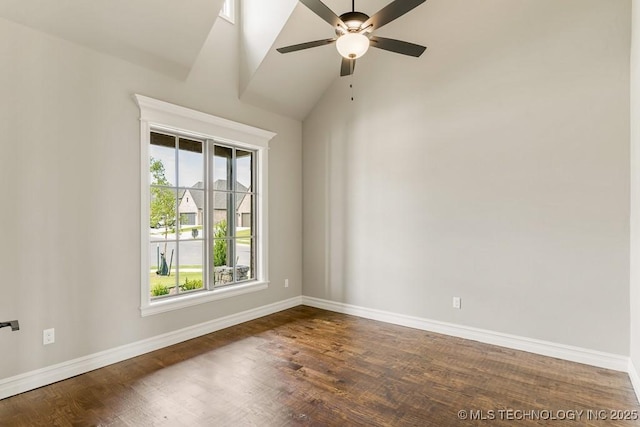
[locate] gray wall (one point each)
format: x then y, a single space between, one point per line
494 168
70 252
635 187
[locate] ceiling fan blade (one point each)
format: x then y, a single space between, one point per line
391 11
347 67
307 45
323 11
397 46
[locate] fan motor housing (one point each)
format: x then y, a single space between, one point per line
354 20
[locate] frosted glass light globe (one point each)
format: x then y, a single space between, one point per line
352 45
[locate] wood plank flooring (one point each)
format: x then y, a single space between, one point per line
311 367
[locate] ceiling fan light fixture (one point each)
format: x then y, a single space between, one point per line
354 20
355 32
352 45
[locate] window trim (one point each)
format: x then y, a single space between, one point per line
160 115
228 11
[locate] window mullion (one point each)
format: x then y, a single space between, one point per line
177 218
254 217
208 209
231 207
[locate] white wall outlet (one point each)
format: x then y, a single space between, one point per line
286 283
457 302
48 336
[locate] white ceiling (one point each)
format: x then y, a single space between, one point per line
164 35
293 83
167 36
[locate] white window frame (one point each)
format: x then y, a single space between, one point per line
160 115
228 11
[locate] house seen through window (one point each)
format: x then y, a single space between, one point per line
202 228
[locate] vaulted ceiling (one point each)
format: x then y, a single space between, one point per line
293 83
167 36
164 35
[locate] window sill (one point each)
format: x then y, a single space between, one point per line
177 303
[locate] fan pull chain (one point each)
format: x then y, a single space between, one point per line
351 87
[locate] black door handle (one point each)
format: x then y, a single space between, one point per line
13 323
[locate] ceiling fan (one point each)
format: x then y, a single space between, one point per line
354 32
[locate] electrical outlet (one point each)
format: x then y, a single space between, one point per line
286 283
48 336
457 302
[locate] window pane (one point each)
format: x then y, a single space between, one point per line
190 163
245 257
191 211
162 212
221 213
220 199
162 160
220 220
192 184
244 215
178 213
162 269
190 266
222 168
222 272
244 170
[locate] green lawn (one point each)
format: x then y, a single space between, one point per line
244 236
170 281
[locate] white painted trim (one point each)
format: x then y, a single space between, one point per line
189 300
574 354
51 374
192 122
145 202
160 115
228 11
634 376
262 219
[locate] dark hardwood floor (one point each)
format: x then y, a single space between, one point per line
306 366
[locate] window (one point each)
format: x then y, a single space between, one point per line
228 10
204 207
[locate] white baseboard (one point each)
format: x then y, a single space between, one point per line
51 374
634 376
574 354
